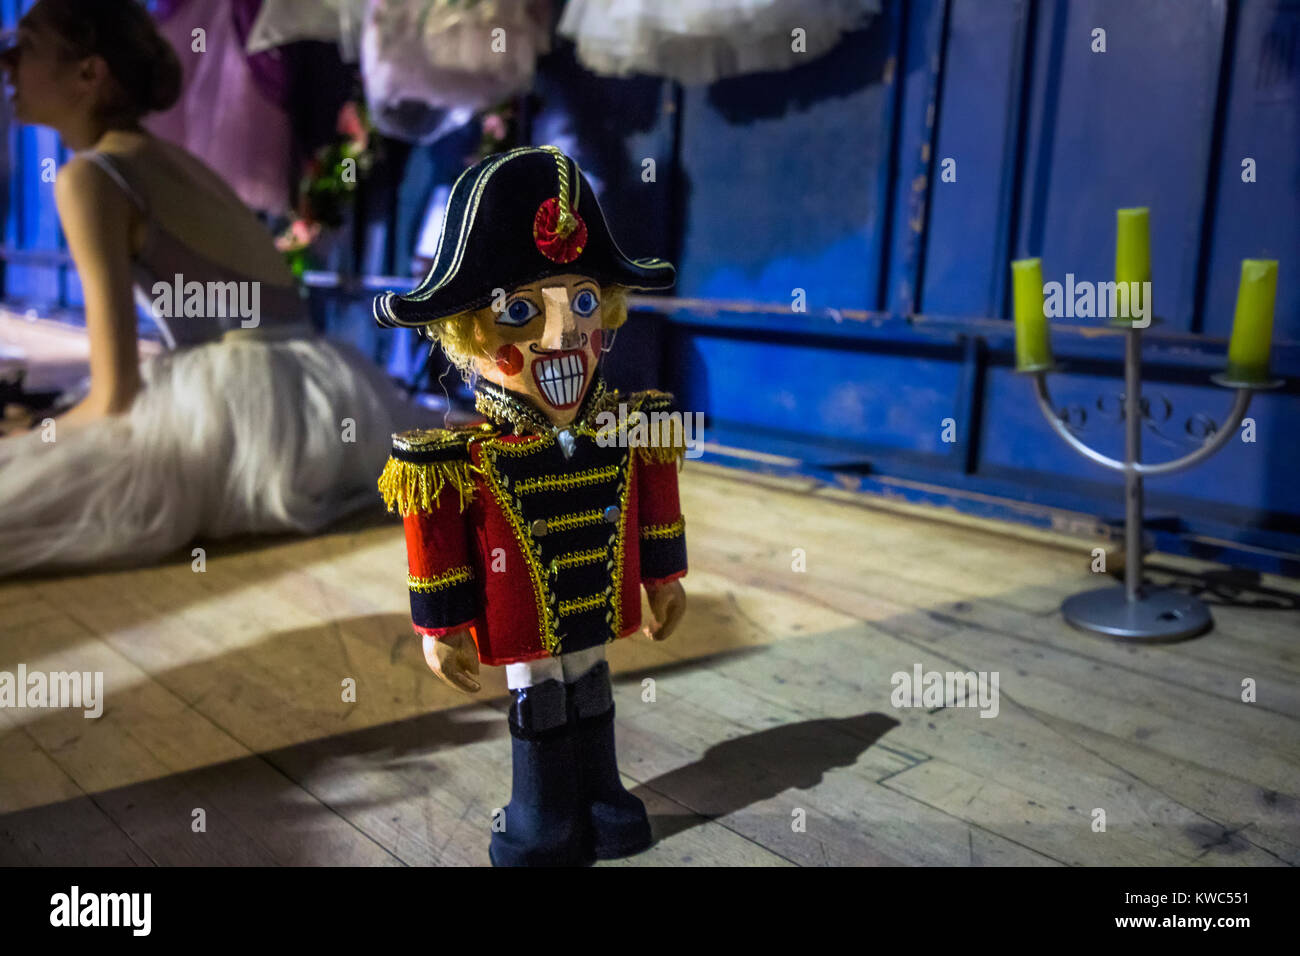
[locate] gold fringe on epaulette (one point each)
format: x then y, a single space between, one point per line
661 453
411 487
667 437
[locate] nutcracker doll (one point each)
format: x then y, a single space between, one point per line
529 536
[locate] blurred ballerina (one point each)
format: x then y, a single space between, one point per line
249 421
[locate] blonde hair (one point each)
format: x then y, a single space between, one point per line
455 334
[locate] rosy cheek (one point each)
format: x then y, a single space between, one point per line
597 341
509 360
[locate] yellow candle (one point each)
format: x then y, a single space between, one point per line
1132 249
1033 351
1252 326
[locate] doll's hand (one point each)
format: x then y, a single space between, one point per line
453 657
668 603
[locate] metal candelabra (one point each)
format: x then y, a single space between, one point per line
1137 611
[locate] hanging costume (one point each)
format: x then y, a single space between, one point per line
228 114
287 21
537 536
702 41
429 65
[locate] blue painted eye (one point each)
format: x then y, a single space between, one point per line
518 312
585 302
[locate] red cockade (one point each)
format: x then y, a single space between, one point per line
546 234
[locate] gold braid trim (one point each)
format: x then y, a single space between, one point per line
528 545
524 418
429 439
649 403
673 530
411 487
607 401
457 575
527 447
577 520
614 613
579 558
499 404
578 605
590 476
567 222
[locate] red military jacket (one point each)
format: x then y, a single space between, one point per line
538 539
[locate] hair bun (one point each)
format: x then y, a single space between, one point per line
165 77
141 60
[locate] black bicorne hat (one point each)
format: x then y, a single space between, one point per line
514 218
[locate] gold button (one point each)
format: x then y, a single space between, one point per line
611 514
539 528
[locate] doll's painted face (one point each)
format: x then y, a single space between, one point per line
545 342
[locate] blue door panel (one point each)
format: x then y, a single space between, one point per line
780 180
1249 476
1128 127
964 265
917 96
1262 122
852 398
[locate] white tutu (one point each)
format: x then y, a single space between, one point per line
234 436
429 65
701 41
284 21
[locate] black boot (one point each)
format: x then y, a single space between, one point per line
619 825
545 820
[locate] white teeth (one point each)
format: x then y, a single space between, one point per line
561 379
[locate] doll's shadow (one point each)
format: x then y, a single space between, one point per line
738 773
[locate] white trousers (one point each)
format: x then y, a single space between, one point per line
565 668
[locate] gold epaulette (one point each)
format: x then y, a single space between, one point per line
669 444
423 462
654 398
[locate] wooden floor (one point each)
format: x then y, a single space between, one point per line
54 355
771 706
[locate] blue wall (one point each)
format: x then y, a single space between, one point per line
825 179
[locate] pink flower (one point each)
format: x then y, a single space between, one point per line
304 231
299 235
494 126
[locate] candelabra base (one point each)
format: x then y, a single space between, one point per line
1158 615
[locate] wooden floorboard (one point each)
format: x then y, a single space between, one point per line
762 733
